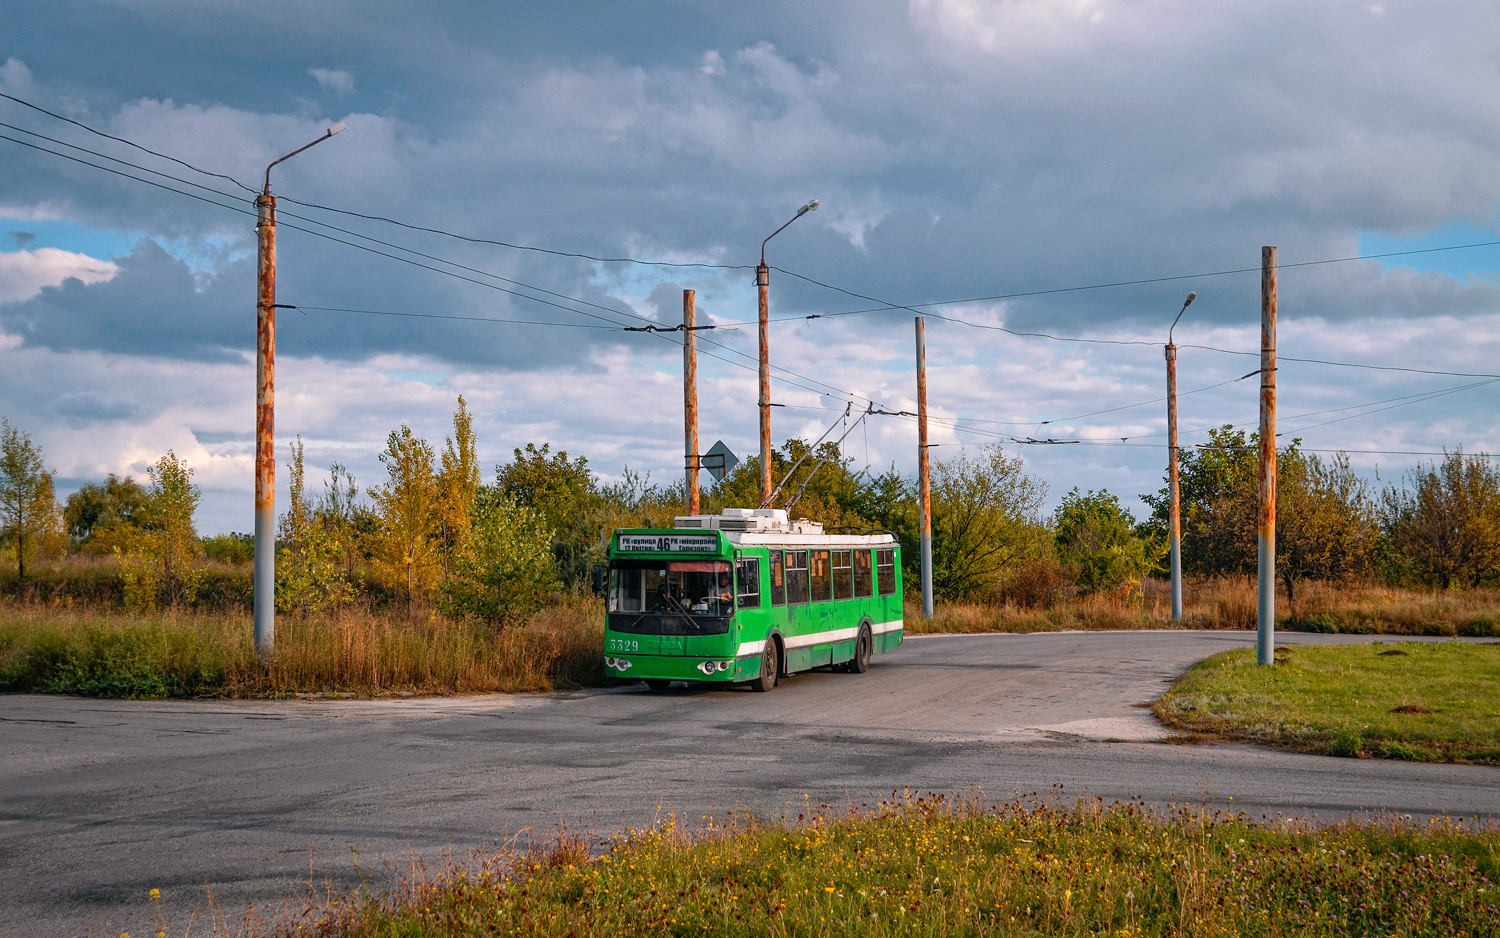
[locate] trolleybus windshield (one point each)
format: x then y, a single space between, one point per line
671 587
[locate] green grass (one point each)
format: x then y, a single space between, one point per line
930 867
1348 700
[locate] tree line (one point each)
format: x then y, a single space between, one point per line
434 532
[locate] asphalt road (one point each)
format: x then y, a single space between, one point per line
101 801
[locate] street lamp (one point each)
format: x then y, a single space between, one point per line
763 281
264 579
1174 524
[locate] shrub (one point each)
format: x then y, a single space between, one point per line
1035 583
506 566
1347 743
230 548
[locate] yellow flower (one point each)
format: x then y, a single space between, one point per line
828 889
156 893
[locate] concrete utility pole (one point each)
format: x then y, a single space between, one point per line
923 476
1265 632
690 398
1174 523
763 283
264 578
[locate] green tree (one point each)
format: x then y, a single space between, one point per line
1443 521
348 519
309 576
507 566
1218 535
986 515
99 514
565 494
1325 518
406 550
28 505
1327 527
1096 537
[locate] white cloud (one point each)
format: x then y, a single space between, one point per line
333 80
15 77
23 274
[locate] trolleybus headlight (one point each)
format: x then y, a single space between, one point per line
620 664
709 667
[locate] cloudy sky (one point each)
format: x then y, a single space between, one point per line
962 149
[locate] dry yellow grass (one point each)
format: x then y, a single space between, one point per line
1231 604
361 653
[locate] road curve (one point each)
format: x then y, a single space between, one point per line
104 800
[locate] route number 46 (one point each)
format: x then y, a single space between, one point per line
624 644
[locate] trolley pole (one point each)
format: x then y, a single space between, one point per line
690 398
923 475
763 282
264 577
263 580
1174 522
1265 633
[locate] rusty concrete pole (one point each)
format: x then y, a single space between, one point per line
690 398
763 281
264 579
1265 635
924 478
1174 521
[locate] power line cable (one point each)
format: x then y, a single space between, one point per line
128 143
108 169
518 247
380 312
405 260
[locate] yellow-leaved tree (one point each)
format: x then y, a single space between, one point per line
458 486
160 560
406 548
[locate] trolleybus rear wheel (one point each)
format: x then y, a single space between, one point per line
769 665
657 685
864 646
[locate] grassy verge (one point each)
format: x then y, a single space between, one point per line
1231 604
1424 701
112 654
927 867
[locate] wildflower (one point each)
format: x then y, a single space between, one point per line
156 893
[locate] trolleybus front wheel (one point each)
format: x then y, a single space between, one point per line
656 685
769 665
864 646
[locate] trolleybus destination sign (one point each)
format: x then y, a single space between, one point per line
669 542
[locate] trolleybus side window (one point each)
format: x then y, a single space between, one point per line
843 578
778 579
864 585
747 573
820 577
885 567
796 576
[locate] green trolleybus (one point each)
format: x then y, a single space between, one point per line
748 596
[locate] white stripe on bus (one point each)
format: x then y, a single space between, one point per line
819 638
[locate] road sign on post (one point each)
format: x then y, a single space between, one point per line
719 461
